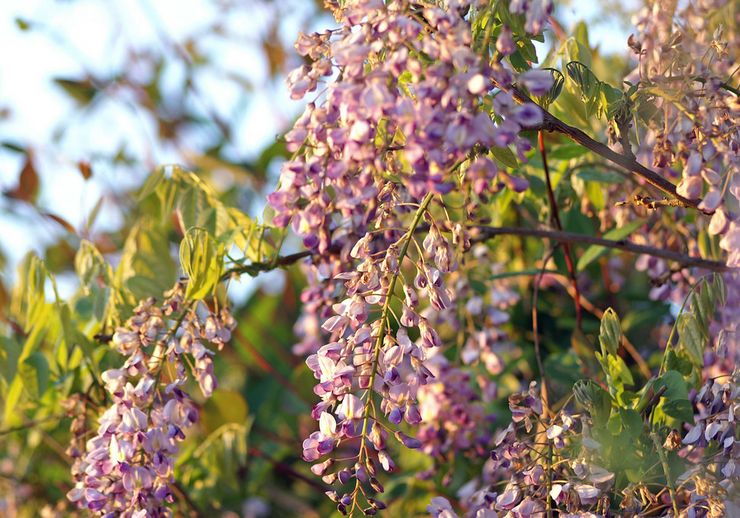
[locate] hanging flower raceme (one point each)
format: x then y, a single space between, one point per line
399 113
126 468
692 66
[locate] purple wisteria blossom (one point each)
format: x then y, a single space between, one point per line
126 468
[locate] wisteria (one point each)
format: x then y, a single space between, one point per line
519 273
126 468
384 111
381 111
696 138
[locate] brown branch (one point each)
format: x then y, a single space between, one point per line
555 216
482 233
180 491
254 269
536 333
282 468
32 424
552 123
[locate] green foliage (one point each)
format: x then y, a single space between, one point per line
558 80
628 427
201 258
599 98
243 446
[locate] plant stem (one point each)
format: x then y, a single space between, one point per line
555 216
485 232
666 470
381 332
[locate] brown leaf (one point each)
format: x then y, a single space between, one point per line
274 51
85 169
63 222
105 244
28 182
83 91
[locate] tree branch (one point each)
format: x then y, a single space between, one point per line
483 233
555 217
253 269
552 123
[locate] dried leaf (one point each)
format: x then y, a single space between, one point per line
85 169
63 222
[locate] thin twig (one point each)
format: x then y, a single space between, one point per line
32 424
536 333
183 495
262 362
285 469
555 216
483 233
666 471
253 269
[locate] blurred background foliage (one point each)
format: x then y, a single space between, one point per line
138 87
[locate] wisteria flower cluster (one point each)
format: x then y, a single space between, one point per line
402 101
126 468
688 70
407 106
553 464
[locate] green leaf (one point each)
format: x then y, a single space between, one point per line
680 409
586 80
588 85
632 424
567 151
691 339
596 195
580 33
578 51
618 370
610 334
678 361
90 264
600 176
505 156
152 182
22 23
146 267
34 371
613 102
558 79
676 388
13 397
81 90
34 291
593 398
201 258
224 407
719 291
675 401
518 62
